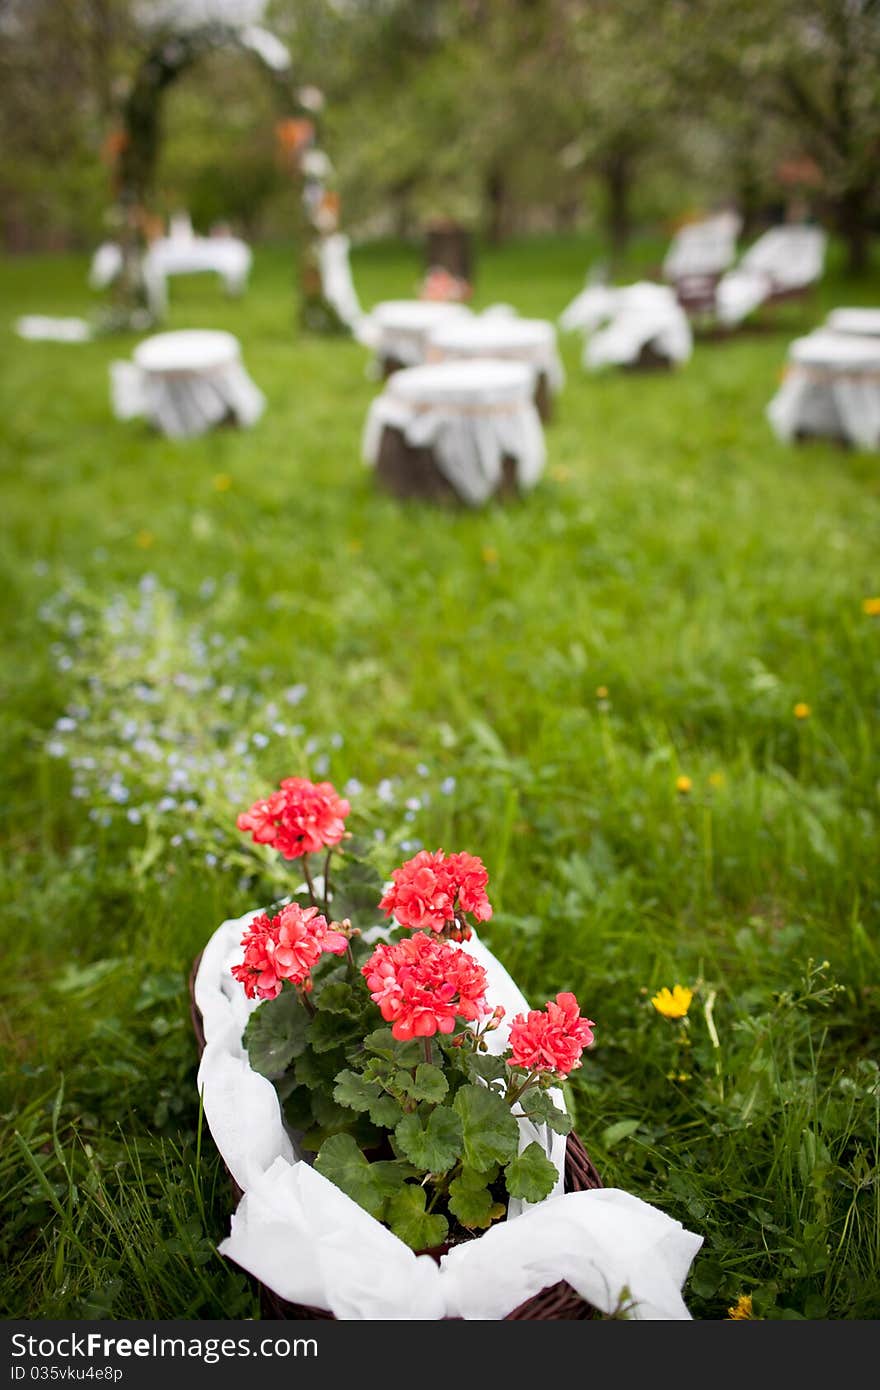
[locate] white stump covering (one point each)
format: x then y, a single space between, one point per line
832 388
186 382
862 322
309 1242
621 322
470 415
783 261
399 328
500 335
706 247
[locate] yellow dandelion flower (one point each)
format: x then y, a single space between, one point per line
221 482
801 710
355 546
717 779
144 539
871 606
683 784
601 692
490 555
559 473
742 1308
673 1003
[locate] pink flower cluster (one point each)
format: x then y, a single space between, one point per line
551 1039
286 947
422 985
302 817
431 888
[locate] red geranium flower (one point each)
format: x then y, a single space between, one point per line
302 817
432 889
286 947
551 1039
423 985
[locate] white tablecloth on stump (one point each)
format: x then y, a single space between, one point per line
865 323
782 260
304 1238
832 388
706 247
186 382
500 335
622 321
398 329
470 415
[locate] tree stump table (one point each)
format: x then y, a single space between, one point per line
185 383
456 432
401 328
504 337
831 389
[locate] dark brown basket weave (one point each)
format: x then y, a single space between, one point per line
559 1301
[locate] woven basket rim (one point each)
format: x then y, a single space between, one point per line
558 1301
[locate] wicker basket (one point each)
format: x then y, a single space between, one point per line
559 1301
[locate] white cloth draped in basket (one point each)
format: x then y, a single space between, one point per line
184 383
470 415
831 388
305 1239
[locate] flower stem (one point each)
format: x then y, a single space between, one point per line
308 876
429 1055
327 884
513 1095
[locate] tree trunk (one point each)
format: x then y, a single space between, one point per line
496 197
617 175
852 217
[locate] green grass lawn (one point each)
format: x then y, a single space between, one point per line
175 597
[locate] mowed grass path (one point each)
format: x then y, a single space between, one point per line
674 555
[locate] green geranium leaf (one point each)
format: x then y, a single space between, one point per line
471 1201
538 1105
490 1131
379 1069
432 1140
341 1161
298 1108
428 1083
319 1070
408 1219
276 1033
487 1068
357 888
339 997
330 1031
354 1091
391 1174
386 1112
383 1042
531 1176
